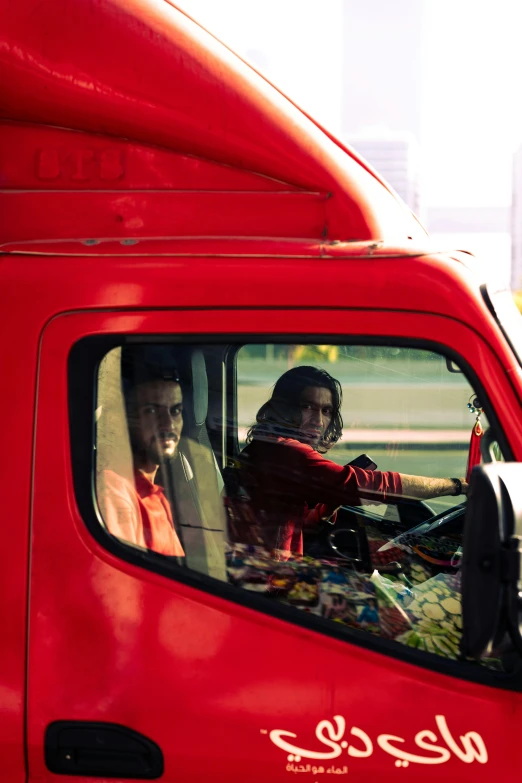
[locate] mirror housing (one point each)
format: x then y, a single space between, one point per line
491 564
452 367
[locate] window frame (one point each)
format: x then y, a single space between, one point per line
82 372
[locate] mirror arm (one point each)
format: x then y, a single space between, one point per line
486 447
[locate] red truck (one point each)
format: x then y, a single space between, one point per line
160 195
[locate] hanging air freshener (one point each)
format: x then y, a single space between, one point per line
474 406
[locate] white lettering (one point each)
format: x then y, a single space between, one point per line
368 745
473 746
384 742
298 753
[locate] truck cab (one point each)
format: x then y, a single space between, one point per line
161 199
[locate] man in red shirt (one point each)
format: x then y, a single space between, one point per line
138 511
291 485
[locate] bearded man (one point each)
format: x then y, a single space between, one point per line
138 511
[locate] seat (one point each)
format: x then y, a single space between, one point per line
194 482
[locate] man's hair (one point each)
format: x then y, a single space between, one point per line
145 363
282 412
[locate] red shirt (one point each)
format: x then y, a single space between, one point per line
291 486
138 513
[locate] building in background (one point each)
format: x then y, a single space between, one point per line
382 65
516 222
385 46
396 157
356 64
382 89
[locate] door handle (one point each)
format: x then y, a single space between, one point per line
97 749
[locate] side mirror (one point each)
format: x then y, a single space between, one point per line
491 564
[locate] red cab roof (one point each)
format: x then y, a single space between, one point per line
126 118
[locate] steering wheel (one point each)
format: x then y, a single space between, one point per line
436 539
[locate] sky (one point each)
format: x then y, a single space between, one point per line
471 110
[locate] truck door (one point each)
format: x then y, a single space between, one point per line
247 667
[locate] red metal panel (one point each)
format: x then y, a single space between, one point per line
98 214
58 183
141 70
43 158
205 679
251 247
219 273
18 349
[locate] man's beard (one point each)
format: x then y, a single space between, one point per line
152 454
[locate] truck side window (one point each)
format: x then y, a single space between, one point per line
379 563
341 492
